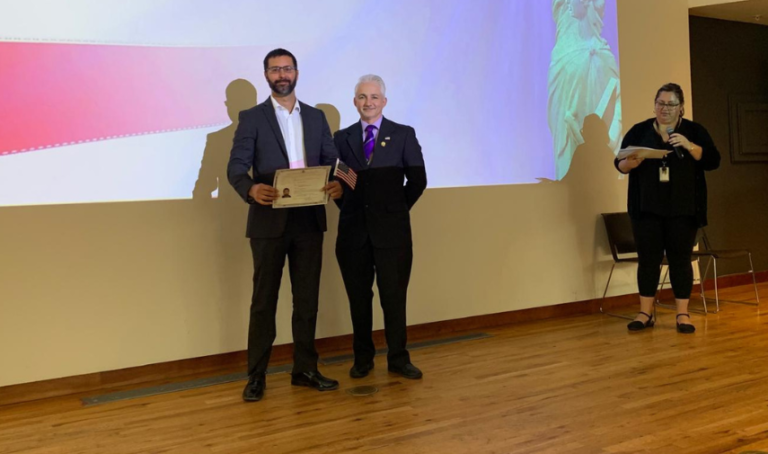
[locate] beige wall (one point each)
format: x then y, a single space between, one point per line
88 288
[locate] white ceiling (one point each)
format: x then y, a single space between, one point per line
749 11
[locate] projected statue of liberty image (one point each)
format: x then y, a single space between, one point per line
583 79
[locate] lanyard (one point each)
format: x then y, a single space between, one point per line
658 131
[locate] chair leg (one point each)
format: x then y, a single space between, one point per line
701 286
754 284
754 281
717 295
703 278
661 286
605 292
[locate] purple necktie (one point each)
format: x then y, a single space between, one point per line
369 142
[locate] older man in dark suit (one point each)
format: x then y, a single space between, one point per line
374 225
282 133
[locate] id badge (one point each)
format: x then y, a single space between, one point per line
664 174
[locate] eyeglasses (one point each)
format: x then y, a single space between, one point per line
285 69
670 106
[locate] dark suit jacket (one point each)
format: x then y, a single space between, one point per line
259 145
385 190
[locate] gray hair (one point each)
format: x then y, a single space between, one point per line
372 78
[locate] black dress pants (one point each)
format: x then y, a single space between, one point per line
392 269
302 243
656 235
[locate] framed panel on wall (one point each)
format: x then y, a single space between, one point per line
749 128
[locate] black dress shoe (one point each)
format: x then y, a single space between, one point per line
315 380
685 328
254 389
407 371
360 370
637 325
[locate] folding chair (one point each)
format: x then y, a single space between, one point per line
621 240
706 250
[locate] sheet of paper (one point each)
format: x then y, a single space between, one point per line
642 152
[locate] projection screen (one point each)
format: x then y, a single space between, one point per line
118 101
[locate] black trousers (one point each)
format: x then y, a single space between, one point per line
655 235
305 256
392 268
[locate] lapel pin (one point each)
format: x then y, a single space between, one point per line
383 144
386 138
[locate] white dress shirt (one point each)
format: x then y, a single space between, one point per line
293 132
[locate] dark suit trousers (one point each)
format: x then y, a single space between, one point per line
304 248
392 268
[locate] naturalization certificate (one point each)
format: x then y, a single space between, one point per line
301 187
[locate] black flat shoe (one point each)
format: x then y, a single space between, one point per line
254 389
315 380
685 328
637 325
408 371
360 370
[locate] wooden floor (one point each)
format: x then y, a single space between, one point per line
581 385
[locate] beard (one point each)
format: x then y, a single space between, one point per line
283 90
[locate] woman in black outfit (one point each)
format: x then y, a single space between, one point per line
667 200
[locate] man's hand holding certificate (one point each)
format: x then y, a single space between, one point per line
304 187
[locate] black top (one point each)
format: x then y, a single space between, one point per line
686 192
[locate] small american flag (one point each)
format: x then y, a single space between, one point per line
345 174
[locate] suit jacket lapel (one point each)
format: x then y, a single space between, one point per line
306 127
387 128
355 142
269 112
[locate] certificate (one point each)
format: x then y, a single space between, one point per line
301 187
642 152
